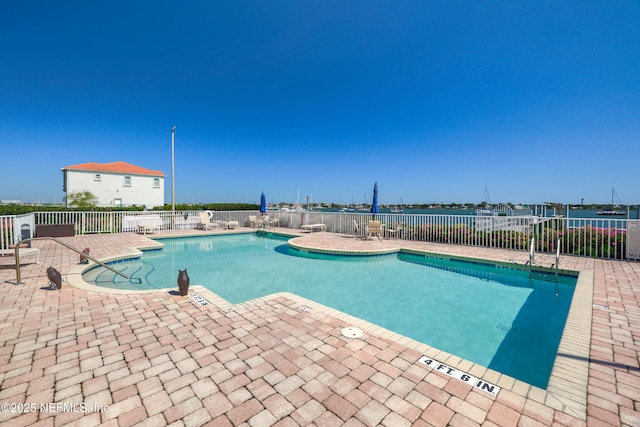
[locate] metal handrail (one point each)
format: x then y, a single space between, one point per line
557 256
18 278
531 251
531 255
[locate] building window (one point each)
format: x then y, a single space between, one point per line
127 181
97 177
156 182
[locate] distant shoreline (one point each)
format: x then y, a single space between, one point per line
573 213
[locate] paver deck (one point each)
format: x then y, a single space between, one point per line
89 356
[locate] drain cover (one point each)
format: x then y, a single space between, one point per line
352 332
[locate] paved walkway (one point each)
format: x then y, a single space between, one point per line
90 357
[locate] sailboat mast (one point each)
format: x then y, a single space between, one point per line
487 199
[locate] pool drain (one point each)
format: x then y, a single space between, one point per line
352 332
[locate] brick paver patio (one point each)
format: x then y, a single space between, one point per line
86 356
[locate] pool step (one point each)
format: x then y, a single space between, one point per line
547 277
137 271
506 327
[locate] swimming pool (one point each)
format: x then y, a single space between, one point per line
488 314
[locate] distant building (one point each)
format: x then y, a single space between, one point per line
117 184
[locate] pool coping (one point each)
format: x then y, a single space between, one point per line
567 386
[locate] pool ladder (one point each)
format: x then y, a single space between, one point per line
532 274
18 278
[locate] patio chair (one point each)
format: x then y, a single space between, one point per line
395 232
205 222
22 252
374 229
356 229
313 227
262 221
147 228
252 220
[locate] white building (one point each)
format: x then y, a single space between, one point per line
116 184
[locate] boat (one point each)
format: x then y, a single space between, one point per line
365 206
293 209
484 212
612 211
297 207
486 209
397 209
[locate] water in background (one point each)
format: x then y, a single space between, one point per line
632 213
573 213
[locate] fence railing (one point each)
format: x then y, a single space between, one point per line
598 238
14 228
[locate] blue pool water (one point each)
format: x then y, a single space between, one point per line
494 316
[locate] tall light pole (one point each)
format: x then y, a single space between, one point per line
173 189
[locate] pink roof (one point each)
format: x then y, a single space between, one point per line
117 167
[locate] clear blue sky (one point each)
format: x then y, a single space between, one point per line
431 99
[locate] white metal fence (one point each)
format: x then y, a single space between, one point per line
600 238
14 228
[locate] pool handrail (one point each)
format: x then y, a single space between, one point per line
18 278
557 256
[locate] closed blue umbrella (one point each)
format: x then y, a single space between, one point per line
263 203
374 203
